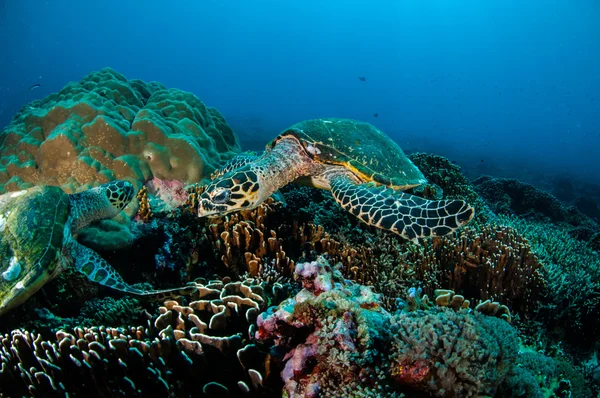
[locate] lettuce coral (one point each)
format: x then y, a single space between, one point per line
106 127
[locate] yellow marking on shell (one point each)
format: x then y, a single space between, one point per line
364 177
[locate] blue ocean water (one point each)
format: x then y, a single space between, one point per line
510 88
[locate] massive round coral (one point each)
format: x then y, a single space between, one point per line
106 127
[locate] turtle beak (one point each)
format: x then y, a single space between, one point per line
207 208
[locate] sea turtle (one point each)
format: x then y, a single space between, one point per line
37 228
364 169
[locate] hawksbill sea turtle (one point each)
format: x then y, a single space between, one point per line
37 228
363 168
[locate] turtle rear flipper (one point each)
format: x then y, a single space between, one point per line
406 215
97 270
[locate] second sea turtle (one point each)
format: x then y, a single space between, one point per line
37 228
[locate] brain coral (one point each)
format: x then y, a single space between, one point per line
107 127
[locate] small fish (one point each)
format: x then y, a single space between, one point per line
481 161
454 162
376 114
362 79
37 85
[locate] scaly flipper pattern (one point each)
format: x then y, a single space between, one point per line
97 270
234 163
406 215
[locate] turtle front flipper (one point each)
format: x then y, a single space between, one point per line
406 215
89 263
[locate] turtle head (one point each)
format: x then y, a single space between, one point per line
104 201
119 193
233 191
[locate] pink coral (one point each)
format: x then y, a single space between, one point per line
411 372
315 276
170 192
319 330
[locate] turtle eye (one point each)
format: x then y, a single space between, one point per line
222 196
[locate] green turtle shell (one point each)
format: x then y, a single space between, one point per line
31 236
358 146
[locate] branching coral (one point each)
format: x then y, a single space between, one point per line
244 239
144 210
215 317
106 127
489 262
493 263
572 270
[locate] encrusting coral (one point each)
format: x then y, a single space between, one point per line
106 127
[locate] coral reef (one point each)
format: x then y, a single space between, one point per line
572 272
539 376
485 263
338 340
106 127
494 263
200 350
512 197
295 297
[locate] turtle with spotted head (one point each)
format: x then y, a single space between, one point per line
363 168
37 228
